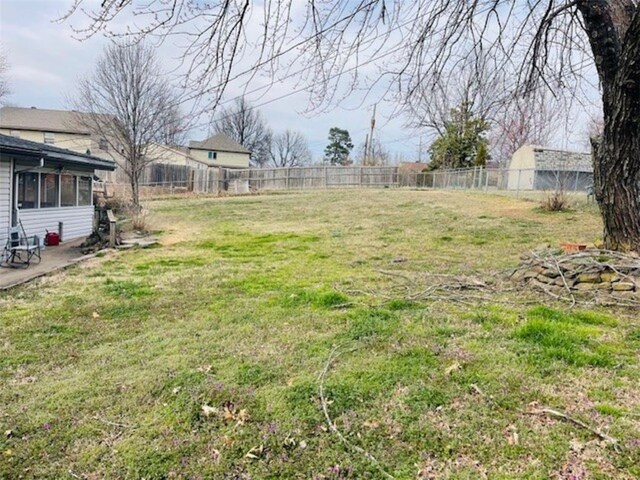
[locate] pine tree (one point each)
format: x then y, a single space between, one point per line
337 152
463 143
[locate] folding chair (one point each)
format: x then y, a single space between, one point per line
20 249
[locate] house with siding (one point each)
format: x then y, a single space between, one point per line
61 128
45 187
542 168
220 151
174 155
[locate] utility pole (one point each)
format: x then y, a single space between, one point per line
366 150
420 150
373 125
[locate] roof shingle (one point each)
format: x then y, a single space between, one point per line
219 142
19 118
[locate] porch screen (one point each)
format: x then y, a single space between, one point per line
48 190
84 191
27 190
68 191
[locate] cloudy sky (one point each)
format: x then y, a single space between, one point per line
46 62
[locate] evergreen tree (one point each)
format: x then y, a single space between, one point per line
463 143
337 152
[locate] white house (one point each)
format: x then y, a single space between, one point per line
46 188
220 151
542 168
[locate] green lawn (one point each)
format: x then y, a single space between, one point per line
203 357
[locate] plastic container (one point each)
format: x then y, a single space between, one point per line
51 239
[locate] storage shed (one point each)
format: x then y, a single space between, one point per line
540 168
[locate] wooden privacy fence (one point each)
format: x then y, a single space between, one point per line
300 178
162 179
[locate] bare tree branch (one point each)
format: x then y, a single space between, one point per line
246 125
289 149
129 105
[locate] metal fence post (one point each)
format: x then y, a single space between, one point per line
518 186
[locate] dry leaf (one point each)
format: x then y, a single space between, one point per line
242 416
208 410
96 315
255 452
176 390
228 415
8 433
512 435
452 368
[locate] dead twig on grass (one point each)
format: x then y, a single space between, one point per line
113 424
563 416
397 274
335 353
564 282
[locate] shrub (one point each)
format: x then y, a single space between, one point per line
556 201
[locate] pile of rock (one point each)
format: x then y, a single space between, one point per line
590 270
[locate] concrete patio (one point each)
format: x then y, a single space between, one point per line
53 258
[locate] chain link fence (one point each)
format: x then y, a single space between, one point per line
161 180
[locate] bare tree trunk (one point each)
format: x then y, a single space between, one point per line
135 192
616 162
618 195
617 183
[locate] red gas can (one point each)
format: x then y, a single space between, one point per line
51 239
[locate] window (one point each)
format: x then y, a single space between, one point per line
84 191
68 190
27 190
212 155
49 138
103 144
48 190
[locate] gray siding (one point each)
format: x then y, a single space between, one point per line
78 221
547 159
5 200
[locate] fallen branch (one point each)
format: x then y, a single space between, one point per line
113 424
563 416
332 426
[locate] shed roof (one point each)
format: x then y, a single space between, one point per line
18 146
220 142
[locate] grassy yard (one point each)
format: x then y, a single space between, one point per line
203 358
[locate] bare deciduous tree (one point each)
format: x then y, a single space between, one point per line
289 149
534 120
549 43
128 104
245 124
373 153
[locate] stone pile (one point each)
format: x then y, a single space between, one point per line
588 271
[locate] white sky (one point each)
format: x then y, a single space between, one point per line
46 61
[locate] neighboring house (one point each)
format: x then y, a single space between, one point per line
540 168
174 155
61 128
46 187
220 151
